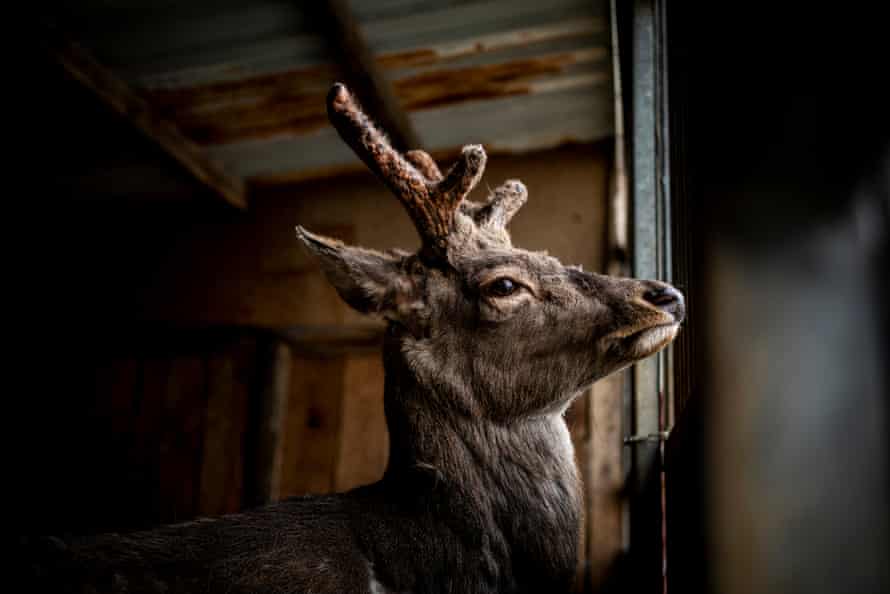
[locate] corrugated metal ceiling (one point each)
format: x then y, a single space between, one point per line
246 80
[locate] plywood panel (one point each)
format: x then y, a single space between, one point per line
222 470
312 428
364 442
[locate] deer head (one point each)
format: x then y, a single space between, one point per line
496 331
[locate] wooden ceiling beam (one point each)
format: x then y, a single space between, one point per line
114 93
363 76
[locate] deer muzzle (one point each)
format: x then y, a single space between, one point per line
667 299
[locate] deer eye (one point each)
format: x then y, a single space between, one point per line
501 287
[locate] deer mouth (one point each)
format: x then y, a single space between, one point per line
648 341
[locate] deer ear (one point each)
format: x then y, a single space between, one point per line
369 281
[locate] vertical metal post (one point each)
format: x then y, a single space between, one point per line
650 258
644 203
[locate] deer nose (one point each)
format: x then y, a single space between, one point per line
668 299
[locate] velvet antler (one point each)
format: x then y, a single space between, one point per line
430 198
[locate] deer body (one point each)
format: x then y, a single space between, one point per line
486 346
478 508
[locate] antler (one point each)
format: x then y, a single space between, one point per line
430 198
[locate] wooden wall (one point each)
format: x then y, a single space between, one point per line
335 433
176 420
176 429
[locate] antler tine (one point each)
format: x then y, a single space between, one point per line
505 201
424 164
463 175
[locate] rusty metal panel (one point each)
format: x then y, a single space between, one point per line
512 124
248 79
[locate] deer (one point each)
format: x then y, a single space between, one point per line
485 347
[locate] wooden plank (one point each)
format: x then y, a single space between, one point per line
607 480
606 507
222 467
179 437
364 441
334 339
273 389
116 94
312 429
363 76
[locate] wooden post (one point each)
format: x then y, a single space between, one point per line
273 385
222 468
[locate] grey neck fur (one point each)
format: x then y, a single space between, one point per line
509 493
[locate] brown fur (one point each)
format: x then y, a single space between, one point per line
481 492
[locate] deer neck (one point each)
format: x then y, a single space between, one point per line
514 482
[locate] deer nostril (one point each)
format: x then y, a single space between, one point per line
660 297
667 299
